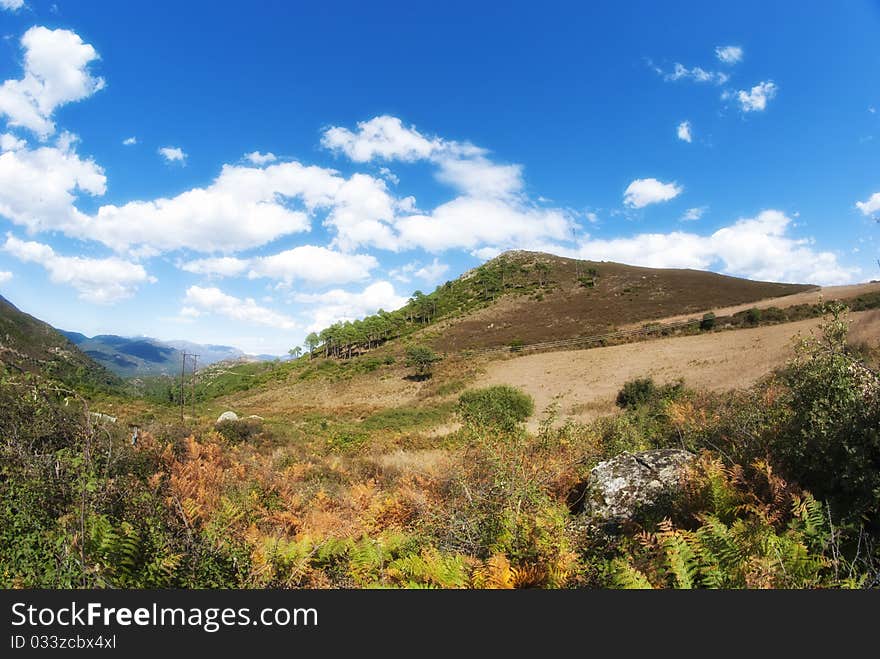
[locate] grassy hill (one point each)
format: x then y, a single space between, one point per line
30 345
531 297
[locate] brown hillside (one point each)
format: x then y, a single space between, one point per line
621 294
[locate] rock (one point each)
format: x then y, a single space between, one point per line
617 488
227 416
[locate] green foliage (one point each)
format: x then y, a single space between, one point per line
237 431
830 439
708 322
422 358
636 392
499 408
407 418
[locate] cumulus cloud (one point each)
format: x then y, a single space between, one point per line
198 301
339 305
11 5
756 99
645 191
56 72
871 206
469 223
258 158
5 276
9 142
383 137
172 153
130 141
684 131
729 54
693 214
757 248
308 263
38 187
431 273
97 280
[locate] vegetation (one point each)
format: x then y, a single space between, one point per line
422 359
500 408
784 493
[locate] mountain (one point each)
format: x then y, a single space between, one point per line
30 345
135 356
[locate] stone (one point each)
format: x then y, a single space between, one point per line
227 416
617 488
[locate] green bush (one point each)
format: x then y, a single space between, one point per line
636 392
239 430
421 358
708 322
501 407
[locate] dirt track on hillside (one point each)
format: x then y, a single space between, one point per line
826 293
585 382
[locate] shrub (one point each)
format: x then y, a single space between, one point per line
708 322
516 345
421 358
501 407
830 440
753 316
635 392
240 430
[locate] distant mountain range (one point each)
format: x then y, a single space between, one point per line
140 355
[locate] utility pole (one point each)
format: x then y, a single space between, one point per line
195 359
182 375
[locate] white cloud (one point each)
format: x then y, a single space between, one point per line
433 272
259 159
383 137
692 214
644 191
684 131
757 248
244 207
5 276
130 141
38 186
469 223
316 265
97 280
387 174
224 266
592 217
872 109
696 74
212 300
337 304
56 72
755 100
9 142
729 54
871 206
11 5
478 176
172 153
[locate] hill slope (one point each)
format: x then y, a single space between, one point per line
557 298
29 344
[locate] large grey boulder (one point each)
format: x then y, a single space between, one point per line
617 488
227 416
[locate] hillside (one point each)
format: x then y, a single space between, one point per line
529 297
28 344
580 298
141 356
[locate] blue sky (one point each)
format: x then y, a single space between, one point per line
295 165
